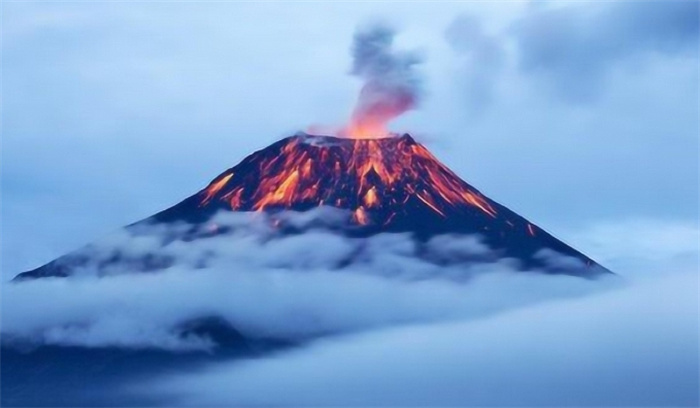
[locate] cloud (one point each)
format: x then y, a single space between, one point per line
575 46
632 347
484 58
266 285
76 76
390 328
572 48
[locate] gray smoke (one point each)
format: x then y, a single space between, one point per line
391 84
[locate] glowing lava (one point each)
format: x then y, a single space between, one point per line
382 186
375 179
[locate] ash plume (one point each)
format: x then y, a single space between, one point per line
391 84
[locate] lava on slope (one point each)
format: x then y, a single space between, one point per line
377 179
385 185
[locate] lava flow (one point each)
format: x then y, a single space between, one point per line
374 178
382 185
385 185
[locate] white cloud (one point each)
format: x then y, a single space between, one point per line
389 329
634 347
306 285
265 285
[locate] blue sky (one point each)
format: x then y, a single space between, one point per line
576 115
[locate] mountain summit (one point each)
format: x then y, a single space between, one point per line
385 185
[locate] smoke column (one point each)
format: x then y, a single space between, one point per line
391 85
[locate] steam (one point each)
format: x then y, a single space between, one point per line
391 84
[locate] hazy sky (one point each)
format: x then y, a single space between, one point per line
575 115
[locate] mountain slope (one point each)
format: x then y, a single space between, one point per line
388 185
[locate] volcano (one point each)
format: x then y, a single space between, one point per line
383 185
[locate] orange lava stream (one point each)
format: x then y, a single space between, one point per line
371 174
215 187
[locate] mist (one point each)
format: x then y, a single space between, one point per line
391 329
632 347
268 286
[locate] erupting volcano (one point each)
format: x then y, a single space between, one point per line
383 182
384 185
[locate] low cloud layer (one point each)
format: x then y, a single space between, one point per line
633 347
390 329
267 286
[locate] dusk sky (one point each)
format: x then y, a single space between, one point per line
583 117
575 115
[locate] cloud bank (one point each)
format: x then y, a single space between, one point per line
633 347
289 287
390 329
